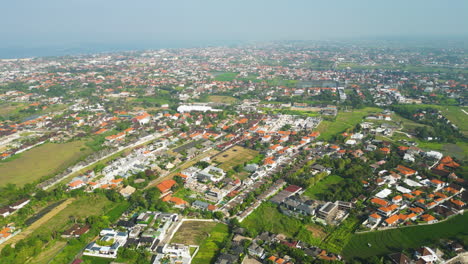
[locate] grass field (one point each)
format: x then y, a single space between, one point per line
45 256
313 192
344 120
453 113
221 99
457 116
339 237
384 242
458 150
225 76
234 156
96 260
7 109
410 68
41 161
80 208
268 218
40 223
208 235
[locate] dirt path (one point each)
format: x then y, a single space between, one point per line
30 229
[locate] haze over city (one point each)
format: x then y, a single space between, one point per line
234 132
32 26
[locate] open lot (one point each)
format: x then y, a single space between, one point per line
344 121
80 209
268 218
76 209
314 192
7 109
225 76
221 99
458 150
40 223
193 233
384 242
234 156
41 161
208 235
45 256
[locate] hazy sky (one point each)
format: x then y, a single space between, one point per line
44 22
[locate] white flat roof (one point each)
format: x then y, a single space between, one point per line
383 193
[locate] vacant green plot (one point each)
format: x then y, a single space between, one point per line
95 260
221 99
7 109
47 254
384 242
234 156
79 209
456 115
208 235
193 233
410 68
344 121
267 217
340 235
314 192
225 76
453 113
458 150
41 161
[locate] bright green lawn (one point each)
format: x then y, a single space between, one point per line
210 246
41 161
268 218
344 121
226 76
322 186
221 99
385 242
79 209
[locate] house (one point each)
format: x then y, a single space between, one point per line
405 171
6 211
75 231
203 205
127 191
397 199
378 201
108 245
387 210
76 184
143 118
165 186
392 220
256 250
20 204
174 254
211 173
399 258
374 218
428 219
328 211
426 254
457 203
438 184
